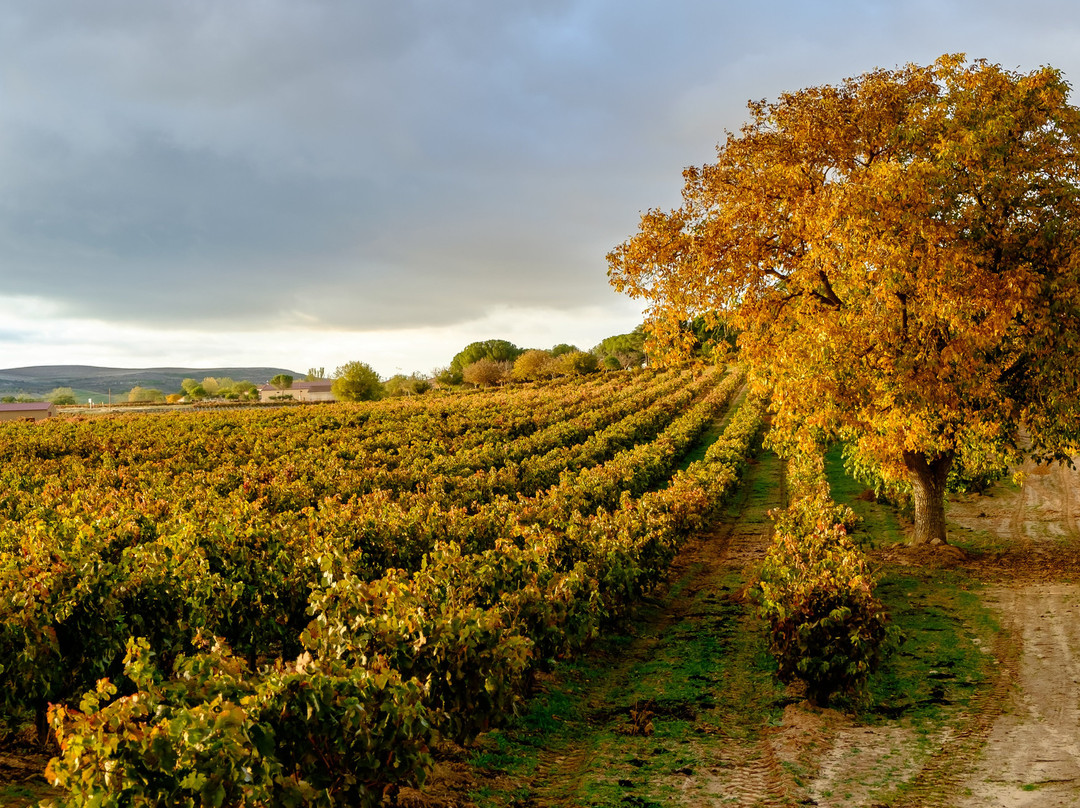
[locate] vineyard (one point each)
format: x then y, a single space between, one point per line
291 607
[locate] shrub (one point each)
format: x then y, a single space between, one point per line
486 372
817 592
355 381
533 365
143 395
497 350
61 395
575 363
402 385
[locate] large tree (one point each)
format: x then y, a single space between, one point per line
282 381
498 350
356 381
901 254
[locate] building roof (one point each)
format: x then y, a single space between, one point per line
25 406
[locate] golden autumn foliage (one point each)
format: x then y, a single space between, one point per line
901 255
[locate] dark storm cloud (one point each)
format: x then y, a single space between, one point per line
369 165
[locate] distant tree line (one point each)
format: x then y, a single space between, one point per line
58 396
485 363
495 361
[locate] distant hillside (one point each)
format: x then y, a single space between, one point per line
44 379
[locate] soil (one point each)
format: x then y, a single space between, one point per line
22 764
1032 753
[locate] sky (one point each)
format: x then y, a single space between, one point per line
303 183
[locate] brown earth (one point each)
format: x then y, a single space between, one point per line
1032 753
22 765
1020 743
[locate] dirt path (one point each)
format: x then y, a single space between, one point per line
1032 754
685 753
1019 742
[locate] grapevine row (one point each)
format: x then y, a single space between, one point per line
445 649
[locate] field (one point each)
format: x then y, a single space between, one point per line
536 596
409 565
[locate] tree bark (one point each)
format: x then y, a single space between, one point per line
928 490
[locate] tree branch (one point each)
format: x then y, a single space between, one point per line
830 295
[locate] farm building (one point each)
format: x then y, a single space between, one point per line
27 411
300 391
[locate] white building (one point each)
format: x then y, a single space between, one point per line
300 391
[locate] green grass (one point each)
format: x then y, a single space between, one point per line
879 524
711 435
17 796
706 672
706 679
936 670
698 450
945 625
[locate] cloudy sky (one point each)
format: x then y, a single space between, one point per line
306 182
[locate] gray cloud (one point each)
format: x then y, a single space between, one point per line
370 165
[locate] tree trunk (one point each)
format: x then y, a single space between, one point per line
928 490
41 723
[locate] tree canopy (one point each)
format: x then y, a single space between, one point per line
900 256
498 350
532 365
575 363
486 372
356 381
402 385
282 381
622 350
61 395
144 395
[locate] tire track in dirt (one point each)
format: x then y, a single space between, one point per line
1017 522
752 775
1019 743
1067 484
1032 749
939 781
757 781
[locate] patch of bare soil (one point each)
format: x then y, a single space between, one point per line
1037 525
21 765
1032 754
862 761
451 779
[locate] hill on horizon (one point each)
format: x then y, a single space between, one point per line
38 380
